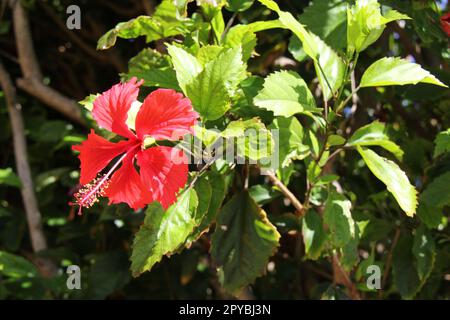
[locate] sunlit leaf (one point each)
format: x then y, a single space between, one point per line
163 232
374 134
394 178
286 93
396 71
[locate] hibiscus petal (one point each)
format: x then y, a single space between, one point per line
95 154
164 172
126 186
165 115
111 108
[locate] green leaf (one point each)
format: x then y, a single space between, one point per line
239 5
396 71
365 24
108 273
181 7
328 65
291 144
374 134
163 232
187 66
9 178
154 68
314 235
405 275
442 143
350 255
218 25
429 214
88 102
339 219
242 243
211 91
207 136
406 262
15 266
140 26
285 93
263 194
245 35
211 190
208 53
424 252
335 140
330 68
433 199
241 35
163 23
394 178
203 189
437 192
252 139
328 20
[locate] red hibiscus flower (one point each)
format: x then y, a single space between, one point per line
445 23
164 115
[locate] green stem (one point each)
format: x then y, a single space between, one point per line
343 103
228 26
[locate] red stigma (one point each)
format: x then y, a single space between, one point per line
90 193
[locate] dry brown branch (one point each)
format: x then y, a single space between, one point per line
287 193
52 98
32 82
340 276
34 219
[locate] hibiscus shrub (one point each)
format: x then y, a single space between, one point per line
241 172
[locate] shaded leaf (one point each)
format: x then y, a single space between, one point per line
442 143
8 177
433 199
314 235
239 5
15 266
339 219
424 252
243 241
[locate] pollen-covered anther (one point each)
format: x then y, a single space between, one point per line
90 193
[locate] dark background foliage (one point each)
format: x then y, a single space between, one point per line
99 240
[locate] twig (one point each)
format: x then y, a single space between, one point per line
340 276
343 103
34 219
287 193
228 26
32 82
389 261
354 92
